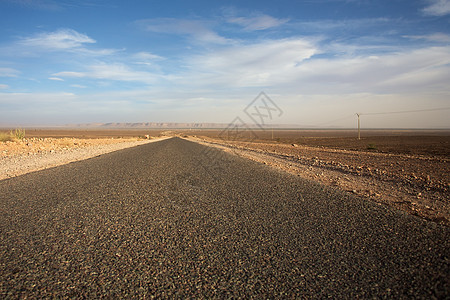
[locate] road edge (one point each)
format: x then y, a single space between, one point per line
21 165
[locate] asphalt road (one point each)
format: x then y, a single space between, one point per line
178 219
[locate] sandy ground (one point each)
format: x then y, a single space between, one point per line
33 154
416 184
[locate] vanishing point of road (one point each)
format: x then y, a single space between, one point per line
175 219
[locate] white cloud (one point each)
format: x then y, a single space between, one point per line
4 86
117 72
147 56
62 39
197 29
258 64
8 72
293 65
70 74
56 79
78 86
260 22
332 25
424 70
437 8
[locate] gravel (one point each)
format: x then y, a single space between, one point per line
11 166
378 177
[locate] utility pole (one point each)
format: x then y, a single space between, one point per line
359 126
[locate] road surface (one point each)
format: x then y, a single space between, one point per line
178 219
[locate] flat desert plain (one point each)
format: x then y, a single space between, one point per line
405 169
415 142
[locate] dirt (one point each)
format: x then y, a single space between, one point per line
415 183
32 154
88 133
32 146
413 142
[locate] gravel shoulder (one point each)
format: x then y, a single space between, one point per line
416 184
34 154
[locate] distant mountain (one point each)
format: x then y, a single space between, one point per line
157 125
145 125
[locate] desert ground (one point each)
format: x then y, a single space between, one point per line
43 149
405 169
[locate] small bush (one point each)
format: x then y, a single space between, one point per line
5 137
372 147
18 134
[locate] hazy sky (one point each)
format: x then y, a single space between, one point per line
320 61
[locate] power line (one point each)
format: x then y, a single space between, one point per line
404 112
394 112
333 121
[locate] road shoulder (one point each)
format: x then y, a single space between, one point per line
48 157
368 175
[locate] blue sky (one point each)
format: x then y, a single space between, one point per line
320 61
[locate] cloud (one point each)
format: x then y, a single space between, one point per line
305 66
56 79
70 74
435 37
260 22
147 56
62 39
4 86
341 27
437 8
424 70
196 29
78 86
8 72
116 72
257 64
